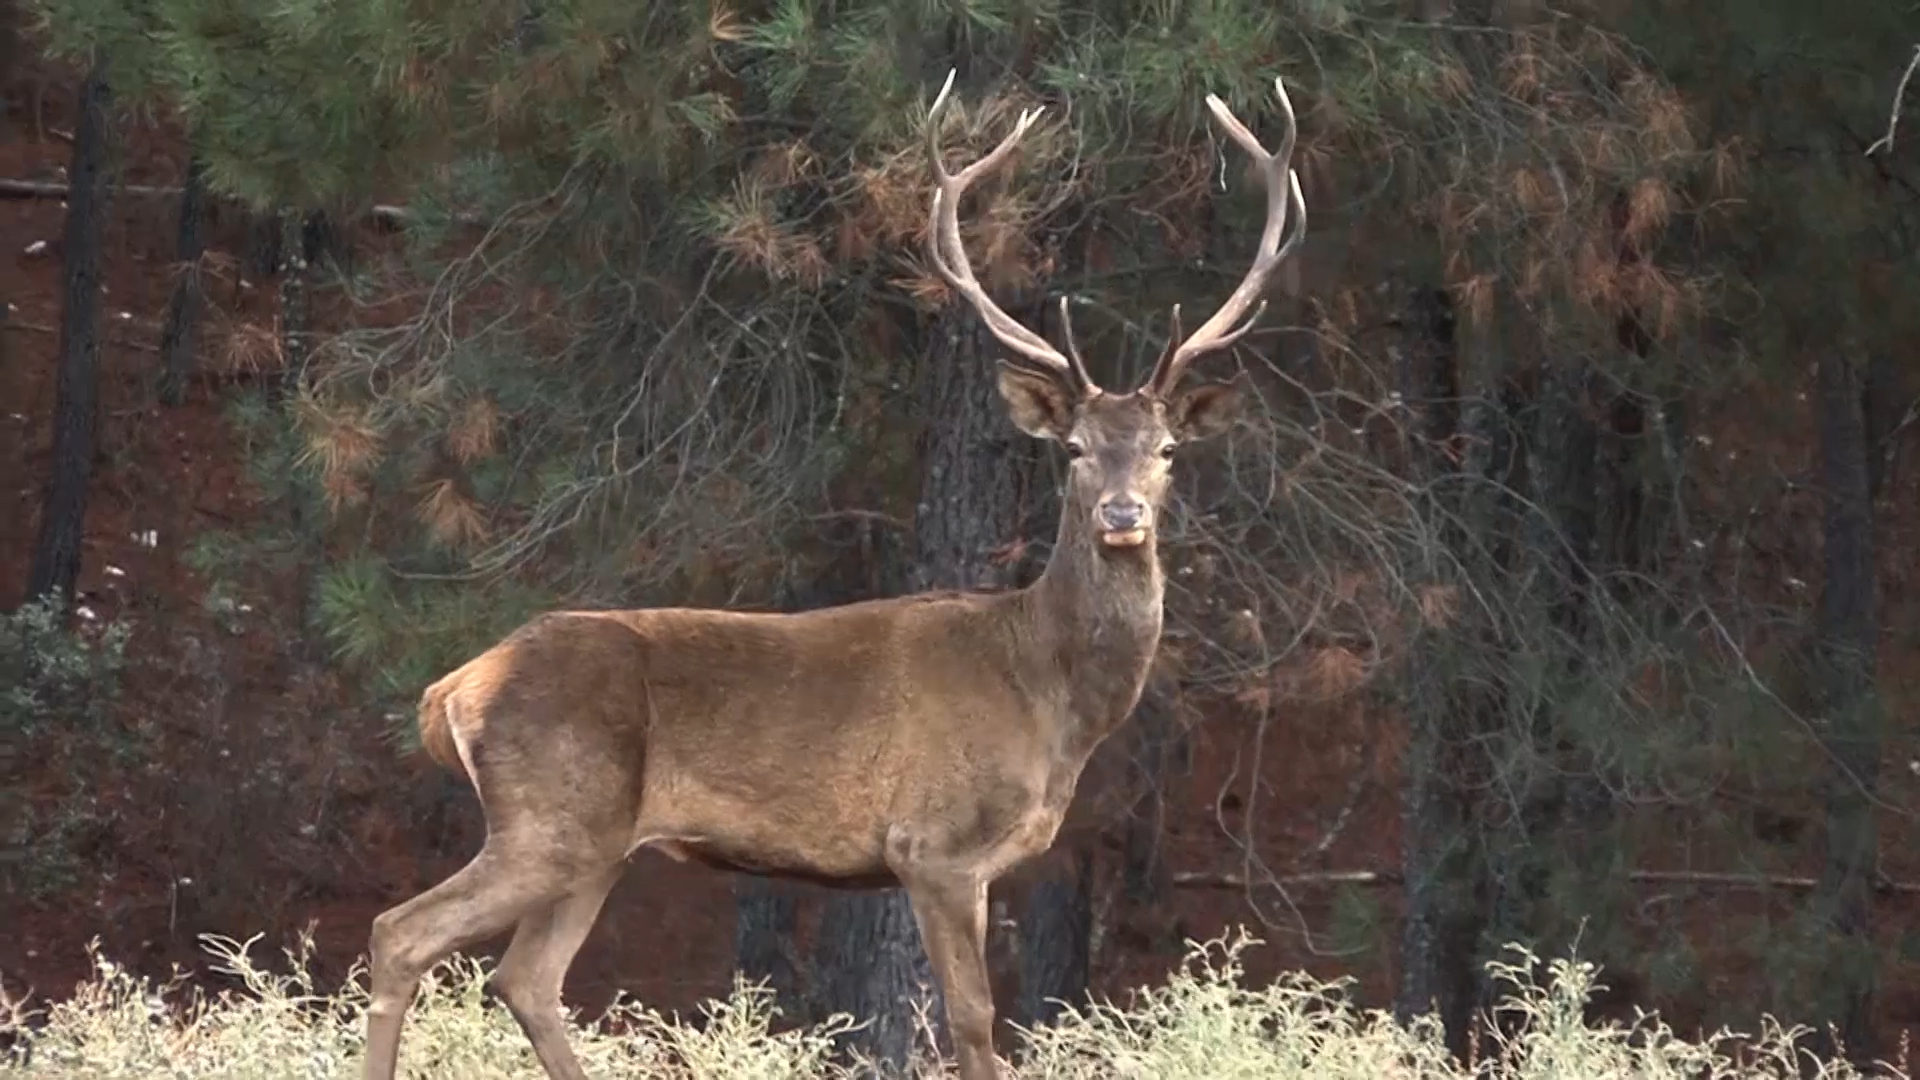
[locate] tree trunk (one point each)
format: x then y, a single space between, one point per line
978 467
1556 549
1055 962
869 957
766 913
179 338
1159 744
264 235
1849 713
9 56
296 337
868 963
56 553
304 243
1441 860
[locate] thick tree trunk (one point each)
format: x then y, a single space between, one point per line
766 913
56 553
1849 717
178 339
868 962
869 959
979 469
1055 935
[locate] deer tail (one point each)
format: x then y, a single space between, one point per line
436 732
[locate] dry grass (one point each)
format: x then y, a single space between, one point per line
1204 1024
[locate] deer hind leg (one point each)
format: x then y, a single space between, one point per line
535 967
483 899
951 908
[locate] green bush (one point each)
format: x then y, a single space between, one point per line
1203 1025
57 687
52 677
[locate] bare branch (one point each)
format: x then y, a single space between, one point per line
1703 879
44 189
38 328
1893 114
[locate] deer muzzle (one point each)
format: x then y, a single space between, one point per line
1123 522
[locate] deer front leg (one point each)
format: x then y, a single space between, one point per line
952 914
949 898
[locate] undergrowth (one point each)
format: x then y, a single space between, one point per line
59 679
1204 1024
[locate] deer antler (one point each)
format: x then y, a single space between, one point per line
950 257
1282 184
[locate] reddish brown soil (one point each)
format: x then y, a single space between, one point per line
275 804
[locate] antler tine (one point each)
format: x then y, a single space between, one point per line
1283 188
1073 349
950 256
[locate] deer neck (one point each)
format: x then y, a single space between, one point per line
1099 611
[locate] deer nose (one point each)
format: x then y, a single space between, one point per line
1122 514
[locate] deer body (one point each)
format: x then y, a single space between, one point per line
902 707
931 742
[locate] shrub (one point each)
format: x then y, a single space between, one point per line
1203 1024
57 687
52 677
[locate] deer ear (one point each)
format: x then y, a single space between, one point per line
1208 409
1038 404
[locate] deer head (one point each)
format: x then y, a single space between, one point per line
1121 444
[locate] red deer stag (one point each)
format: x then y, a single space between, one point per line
929 741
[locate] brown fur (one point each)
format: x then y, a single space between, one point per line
436 738
931 742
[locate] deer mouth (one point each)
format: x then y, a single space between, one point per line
1124 538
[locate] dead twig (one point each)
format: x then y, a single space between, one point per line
1706 879
41 329
1191 879
1893 114
47 189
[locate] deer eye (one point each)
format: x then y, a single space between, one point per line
1167 448
1076 449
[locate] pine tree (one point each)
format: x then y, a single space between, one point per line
63 510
